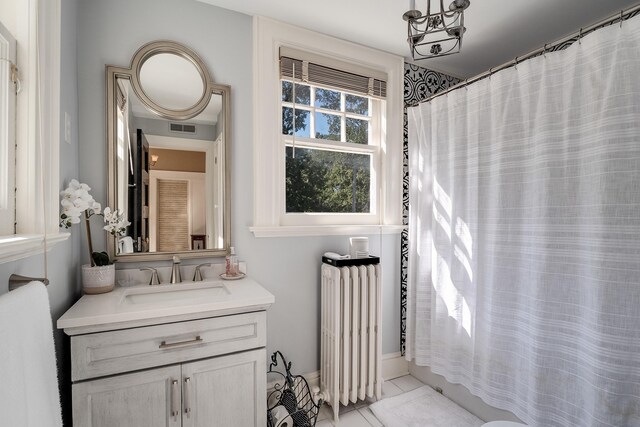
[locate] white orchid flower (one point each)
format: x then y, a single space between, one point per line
83 194
95 207
70 207
74 184
76 199
72 212
67 194
81 204
115 222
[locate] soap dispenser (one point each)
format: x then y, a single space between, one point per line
232 263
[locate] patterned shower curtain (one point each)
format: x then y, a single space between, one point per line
524 239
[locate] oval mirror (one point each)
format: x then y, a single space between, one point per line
171 81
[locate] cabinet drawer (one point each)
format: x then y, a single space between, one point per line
108 353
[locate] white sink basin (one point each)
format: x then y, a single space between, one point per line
178 294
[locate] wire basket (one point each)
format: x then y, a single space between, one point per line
293 393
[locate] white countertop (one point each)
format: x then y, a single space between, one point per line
111 311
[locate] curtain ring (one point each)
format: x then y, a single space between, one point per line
466 84
544 51
580 37
621 12
516 63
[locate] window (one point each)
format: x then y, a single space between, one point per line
331 134
35 165
327 135
332 150
7 131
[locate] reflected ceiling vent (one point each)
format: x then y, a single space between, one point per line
182 128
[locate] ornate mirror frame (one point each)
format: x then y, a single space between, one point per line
210 88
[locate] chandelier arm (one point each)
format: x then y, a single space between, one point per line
418 21
417 49
415 25
462 30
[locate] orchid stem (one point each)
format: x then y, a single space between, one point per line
86 221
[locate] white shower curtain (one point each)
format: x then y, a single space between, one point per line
524 256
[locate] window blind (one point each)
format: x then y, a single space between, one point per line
309 71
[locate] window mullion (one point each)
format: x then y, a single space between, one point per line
298 106
345 147
343 120
356 116
312 120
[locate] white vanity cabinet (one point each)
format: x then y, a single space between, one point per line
219 391
183 355
199 363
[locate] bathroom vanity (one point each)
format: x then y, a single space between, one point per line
186 354
189 354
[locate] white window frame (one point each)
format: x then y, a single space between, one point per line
37 32
268 145
7 131
373 149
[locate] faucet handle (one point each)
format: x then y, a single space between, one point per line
197 276
154 275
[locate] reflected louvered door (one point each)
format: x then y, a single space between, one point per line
173 215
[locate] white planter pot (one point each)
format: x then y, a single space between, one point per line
98 280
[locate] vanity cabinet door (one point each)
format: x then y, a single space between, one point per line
225 391
144 399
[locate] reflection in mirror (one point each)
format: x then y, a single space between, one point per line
170 177
158 77
167 135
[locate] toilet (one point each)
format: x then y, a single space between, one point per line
503 424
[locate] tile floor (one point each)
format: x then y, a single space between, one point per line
359 414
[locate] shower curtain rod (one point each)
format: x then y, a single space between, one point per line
543 50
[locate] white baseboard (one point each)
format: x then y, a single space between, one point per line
394 365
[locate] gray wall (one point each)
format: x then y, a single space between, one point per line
63 267
110 33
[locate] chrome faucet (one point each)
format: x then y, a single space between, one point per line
154 275
175 270
197 276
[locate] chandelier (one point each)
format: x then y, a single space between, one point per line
438 32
